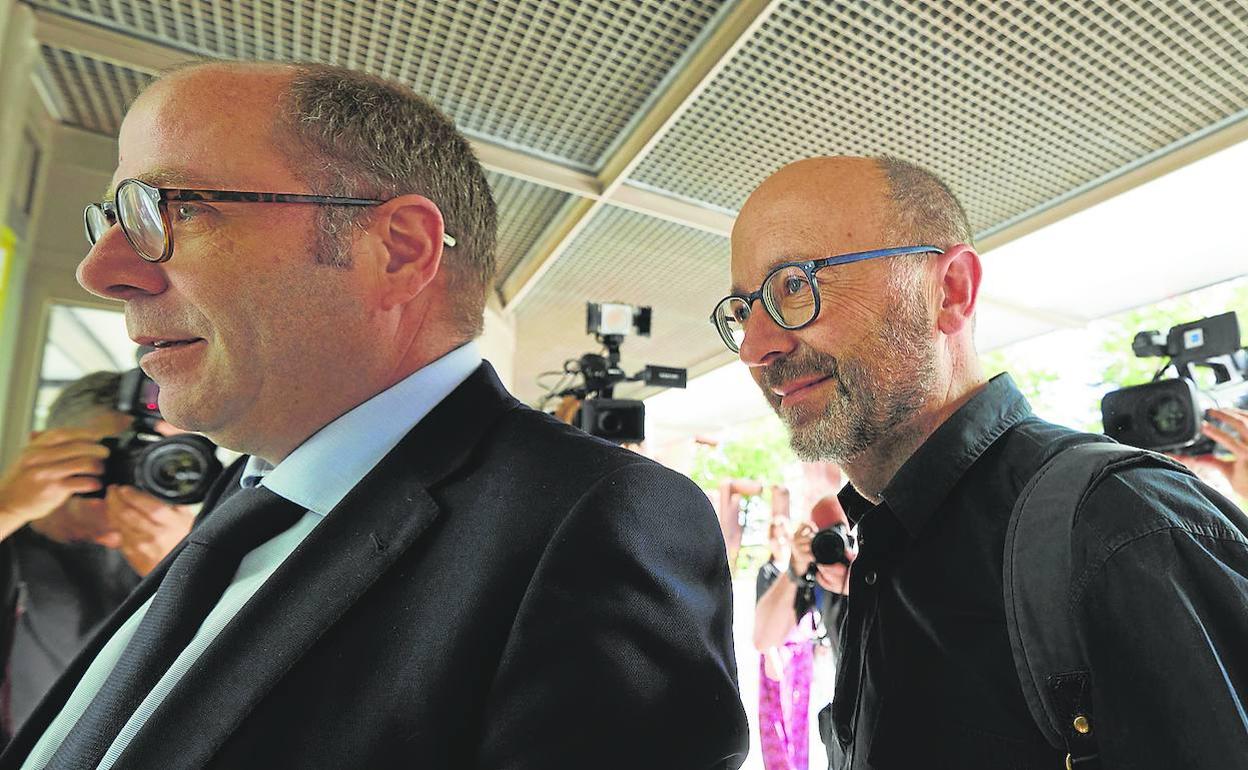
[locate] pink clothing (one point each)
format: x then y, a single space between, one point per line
783 707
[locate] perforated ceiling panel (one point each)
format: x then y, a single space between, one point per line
558 77
93 94
1014 104
524 211
1018 103
632 258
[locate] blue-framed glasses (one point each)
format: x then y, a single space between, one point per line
790 293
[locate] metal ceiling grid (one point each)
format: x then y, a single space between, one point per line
558 78
94 94
622 256
1015 104
524 211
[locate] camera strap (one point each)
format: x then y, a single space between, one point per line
1054 674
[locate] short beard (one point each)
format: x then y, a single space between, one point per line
871 399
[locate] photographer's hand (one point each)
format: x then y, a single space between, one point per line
1235 471
149 527
55 465
834 577
800 556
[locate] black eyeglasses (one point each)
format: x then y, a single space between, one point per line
143 212
790 294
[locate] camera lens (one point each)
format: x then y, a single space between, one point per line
178 469
610 423
1168 416
831 545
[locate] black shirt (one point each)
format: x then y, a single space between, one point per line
1160 600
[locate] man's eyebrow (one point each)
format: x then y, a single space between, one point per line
786 259
169 177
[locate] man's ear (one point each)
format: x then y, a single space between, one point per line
409 232
958 273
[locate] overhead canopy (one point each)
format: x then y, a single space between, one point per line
621 137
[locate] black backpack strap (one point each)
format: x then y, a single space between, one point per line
1052 670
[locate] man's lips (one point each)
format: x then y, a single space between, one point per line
162 343
796 386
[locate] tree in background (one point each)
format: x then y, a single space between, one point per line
736 472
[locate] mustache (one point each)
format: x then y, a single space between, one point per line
805 364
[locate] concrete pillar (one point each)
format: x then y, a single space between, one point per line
18 52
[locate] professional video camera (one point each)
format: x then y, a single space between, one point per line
177 469
1165 415
600 414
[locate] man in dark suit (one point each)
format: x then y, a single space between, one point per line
466 583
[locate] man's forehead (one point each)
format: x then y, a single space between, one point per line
181 134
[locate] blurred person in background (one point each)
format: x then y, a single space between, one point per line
66 561
796 621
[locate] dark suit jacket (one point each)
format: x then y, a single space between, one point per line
501 591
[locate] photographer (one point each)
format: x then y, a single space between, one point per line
67 561
798 610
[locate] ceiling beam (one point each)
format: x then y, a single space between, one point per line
730 34
548 173
669 207
104 44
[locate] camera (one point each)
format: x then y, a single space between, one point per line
601 414
177 469
1165 415
832 545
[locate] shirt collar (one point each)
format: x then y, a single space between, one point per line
923 482
325 467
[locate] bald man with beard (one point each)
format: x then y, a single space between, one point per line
854 294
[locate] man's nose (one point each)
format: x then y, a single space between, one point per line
765 340
113 269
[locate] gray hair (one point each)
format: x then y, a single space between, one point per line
925 210
368 137
81 400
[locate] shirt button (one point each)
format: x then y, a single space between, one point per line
870 578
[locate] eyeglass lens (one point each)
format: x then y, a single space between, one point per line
789 296
139 212
97 223
730 318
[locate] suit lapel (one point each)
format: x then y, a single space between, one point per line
54 701
324 577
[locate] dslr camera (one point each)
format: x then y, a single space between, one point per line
615 419
1165 415
177 469
832 545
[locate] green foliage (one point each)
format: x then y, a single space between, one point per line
1037 383
759 452
1124 368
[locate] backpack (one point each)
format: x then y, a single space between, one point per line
1054 675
